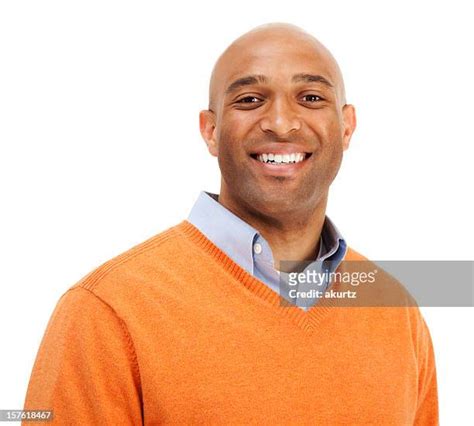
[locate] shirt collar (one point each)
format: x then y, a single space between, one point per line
226 230
236 237
333 240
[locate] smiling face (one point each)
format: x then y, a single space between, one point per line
277 122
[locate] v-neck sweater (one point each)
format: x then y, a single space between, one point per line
173 331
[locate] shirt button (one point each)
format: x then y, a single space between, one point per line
257 248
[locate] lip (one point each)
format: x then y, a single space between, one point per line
285 170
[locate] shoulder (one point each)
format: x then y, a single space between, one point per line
383 290
390 298
134 269
351 254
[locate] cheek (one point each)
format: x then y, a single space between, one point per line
230 139
334 154
235 125
225 141
230 151
334 141
330 149
329 130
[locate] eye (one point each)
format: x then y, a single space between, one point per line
312 98
248 100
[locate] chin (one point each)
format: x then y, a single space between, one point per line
275 203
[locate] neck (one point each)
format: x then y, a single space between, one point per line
294 236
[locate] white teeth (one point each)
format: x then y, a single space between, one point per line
294 157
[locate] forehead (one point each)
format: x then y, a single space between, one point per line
278 60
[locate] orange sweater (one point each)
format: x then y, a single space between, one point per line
173 331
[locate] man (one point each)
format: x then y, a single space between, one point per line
189 326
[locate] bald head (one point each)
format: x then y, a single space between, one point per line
274 38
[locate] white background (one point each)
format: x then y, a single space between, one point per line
100 147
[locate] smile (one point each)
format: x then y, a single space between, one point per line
273 158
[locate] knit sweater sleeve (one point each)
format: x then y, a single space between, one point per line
427 407
86 370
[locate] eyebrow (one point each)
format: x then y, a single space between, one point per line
311 78
246 81
258 78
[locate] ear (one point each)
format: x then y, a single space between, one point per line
207 125
349 120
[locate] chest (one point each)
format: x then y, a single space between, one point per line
232 369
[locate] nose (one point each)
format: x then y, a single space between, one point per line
280 118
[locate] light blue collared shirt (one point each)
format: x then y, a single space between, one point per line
246 247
